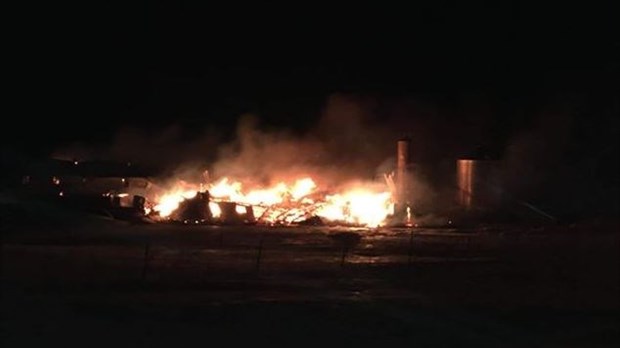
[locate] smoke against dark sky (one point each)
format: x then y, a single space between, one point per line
351 133
168 86
151 67
544 156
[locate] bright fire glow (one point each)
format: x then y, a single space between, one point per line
302 188
171 200
216 212
240 209
358 206
290 202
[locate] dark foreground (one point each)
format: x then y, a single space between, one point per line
105 283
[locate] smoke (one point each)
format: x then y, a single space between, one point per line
347 143
354 138
555 165
533 155
263 156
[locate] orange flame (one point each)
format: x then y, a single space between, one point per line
358 206
216 212
361 204
169 202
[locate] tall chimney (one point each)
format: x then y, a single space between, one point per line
402 161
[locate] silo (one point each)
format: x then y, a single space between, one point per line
478 184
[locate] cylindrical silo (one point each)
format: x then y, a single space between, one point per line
478 184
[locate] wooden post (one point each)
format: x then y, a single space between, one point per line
1 256
344 256
410 249
346 240
259 254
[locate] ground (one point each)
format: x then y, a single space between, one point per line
100 282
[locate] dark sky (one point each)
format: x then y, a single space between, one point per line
535 84
152 66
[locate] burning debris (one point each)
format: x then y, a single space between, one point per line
297 202
117 190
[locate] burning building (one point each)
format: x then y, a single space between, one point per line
125 190
285 203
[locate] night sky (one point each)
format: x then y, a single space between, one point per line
153 66
492 72
259 91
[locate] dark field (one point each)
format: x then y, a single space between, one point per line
102 283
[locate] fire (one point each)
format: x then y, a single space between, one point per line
240 209
226 190
358 206
269 196
169 202
302 188
289 202
216 212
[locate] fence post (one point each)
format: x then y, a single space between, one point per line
259 254
344 255
410 249
145 264
1 256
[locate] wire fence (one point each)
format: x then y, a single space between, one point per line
236 253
